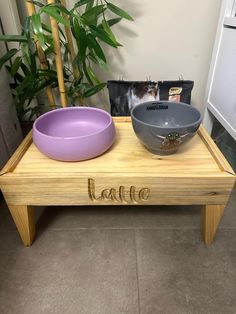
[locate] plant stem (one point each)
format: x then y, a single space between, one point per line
58 59
42 58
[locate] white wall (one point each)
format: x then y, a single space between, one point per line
10 20
168 39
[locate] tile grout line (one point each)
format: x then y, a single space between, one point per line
137 269
115 228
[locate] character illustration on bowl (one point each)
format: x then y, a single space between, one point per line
172 140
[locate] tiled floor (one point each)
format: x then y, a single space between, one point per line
114 260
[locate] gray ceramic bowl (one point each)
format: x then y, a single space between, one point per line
74 133
162 126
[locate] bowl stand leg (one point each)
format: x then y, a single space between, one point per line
23 217
211 217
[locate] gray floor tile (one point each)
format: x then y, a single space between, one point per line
179 274
84 272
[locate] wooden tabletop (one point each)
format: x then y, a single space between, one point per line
128 157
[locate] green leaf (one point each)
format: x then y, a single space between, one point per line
49 50
92 75
46 28
101 34
108 30
89 5
17 38
36 24
8 68
27 83
81 87
86 73
53 12
25 50
97 61
49 42
94 90
81 39
80 3
19 77
15 66
114 21
82 44
94 12
94 45
59 7
75 28
7 56
62 32
43 84
118 11
33 65
66 53
26 29
38 29
48 73
91 16
25 70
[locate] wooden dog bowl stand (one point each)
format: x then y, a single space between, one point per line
126 174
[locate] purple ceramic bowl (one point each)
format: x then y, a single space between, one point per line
74 133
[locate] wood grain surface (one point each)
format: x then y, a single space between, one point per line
127 157
16 157
23 217
211 217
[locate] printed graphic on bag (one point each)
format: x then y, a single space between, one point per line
179 91
124 95
174 93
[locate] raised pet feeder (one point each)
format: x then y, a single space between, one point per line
127 175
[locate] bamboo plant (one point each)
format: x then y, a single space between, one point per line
76 35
